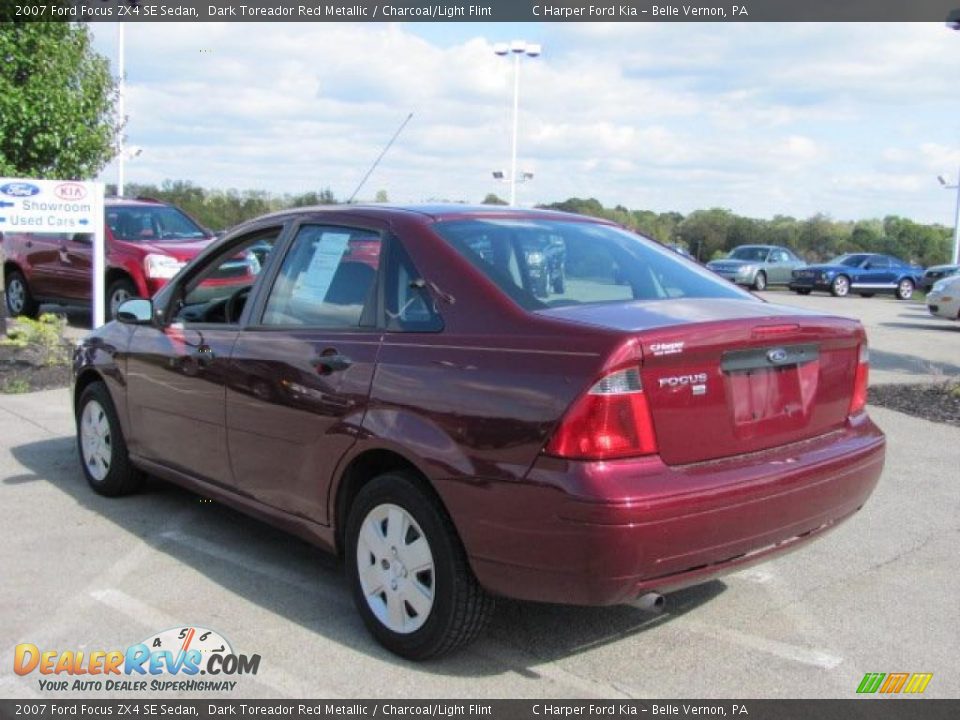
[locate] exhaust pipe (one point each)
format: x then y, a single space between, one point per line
651 602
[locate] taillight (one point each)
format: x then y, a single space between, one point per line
859 399
611 420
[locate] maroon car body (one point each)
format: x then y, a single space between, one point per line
145 242
585 453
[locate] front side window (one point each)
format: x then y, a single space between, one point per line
552 263
218 293
146 223
327 278
849 260
751 254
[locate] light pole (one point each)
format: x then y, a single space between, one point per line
517 48
953 22
956 217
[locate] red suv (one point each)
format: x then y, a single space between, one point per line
147 242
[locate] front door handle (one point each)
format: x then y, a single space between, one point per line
204 356
330 361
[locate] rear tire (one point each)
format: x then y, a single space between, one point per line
905 289
19 299
840 287
103 450
408 571
760 281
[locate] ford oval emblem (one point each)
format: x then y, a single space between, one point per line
778 356
19 189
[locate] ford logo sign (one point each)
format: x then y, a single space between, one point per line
778 356
19 189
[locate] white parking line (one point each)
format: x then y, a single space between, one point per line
806 656
274 678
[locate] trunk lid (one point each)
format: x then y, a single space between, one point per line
729 377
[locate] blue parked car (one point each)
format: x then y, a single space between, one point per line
864 273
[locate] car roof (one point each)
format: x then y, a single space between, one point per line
439 211
114 201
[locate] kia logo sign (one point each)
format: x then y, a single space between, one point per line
19 189
70 191
778 356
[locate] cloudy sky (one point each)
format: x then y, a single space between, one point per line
855 120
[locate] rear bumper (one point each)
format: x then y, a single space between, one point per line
605 533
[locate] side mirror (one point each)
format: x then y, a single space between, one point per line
83 238
867 266
135 311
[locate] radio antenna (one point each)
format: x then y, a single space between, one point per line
380 157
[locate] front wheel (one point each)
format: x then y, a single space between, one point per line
905 289
760 281
103 450
840 287
409 574
118 293
19 299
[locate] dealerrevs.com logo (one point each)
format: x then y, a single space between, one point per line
172 660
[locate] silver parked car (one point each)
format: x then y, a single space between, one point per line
935 273
758 266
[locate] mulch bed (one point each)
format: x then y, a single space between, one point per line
22 370
939 402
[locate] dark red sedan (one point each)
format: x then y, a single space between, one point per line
455 433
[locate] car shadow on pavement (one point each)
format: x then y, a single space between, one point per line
294 580
910 364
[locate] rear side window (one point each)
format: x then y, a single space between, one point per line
409 305
551 263
326 280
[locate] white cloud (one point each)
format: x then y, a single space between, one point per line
784 118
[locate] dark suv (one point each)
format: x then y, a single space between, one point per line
146 243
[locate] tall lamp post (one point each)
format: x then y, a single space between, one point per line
121 88
953 22
517 48
956 217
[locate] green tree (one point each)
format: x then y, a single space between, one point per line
56 101
705 232
493 199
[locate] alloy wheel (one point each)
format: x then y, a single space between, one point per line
16 295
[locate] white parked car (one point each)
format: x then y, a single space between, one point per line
944 298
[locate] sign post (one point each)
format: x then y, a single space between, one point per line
58 206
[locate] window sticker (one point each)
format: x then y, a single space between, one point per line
314 282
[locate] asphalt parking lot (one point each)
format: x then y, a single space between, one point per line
879 594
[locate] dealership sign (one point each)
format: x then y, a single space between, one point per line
49 205
58 206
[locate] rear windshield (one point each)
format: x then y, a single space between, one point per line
554 263
152 222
